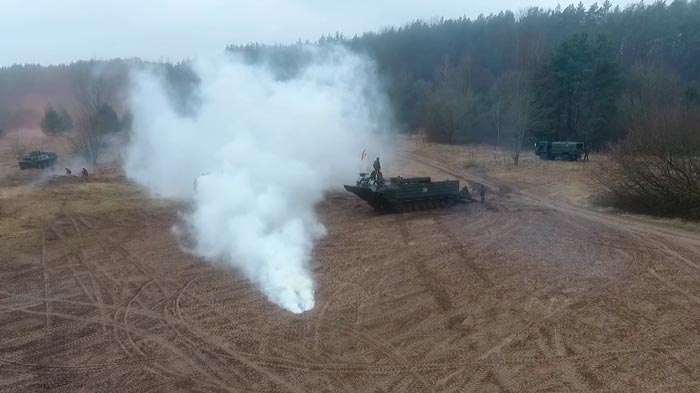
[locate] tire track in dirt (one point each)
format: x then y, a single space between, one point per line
427 277
441 366
632 226
90 294
45 275
218 345
96 293
108 246
143 334
196 350
636 225
382 347
461 250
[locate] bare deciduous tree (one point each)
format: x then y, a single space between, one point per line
93 93
656 168
516 99
521 111
499 105
513 93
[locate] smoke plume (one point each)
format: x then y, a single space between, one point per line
255 158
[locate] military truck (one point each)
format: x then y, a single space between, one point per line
407 194
568 151
37 159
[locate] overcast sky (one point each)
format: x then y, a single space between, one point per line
58 31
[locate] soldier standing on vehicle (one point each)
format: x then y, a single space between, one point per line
376 175
84 172
482 193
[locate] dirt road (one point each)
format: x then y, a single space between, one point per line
521 294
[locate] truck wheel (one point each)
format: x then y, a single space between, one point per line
566 157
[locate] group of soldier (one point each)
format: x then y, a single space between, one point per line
83 173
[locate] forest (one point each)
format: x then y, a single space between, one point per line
569 73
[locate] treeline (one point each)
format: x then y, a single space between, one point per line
51 97
562 73
85 101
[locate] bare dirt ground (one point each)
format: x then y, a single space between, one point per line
533 291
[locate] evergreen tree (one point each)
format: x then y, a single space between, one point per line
577 91
55 123
106 120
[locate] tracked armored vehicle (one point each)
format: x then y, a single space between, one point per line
407 194
37 159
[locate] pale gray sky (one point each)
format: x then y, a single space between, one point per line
58 31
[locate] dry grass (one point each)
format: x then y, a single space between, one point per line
25 208
559 180
31 198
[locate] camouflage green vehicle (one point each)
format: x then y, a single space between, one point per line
407 194
37 160
567 151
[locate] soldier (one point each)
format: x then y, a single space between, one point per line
377 173
373 176
84 172
482 193
380 179
68 172
585 154
465 193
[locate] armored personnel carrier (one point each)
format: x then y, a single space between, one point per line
407 194
37 159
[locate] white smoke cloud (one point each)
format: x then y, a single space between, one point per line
262 151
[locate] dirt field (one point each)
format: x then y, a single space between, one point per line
533 291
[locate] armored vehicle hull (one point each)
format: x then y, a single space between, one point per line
403 195
38 160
